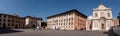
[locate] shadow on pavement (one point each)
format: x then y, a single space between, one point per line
6 31
111 33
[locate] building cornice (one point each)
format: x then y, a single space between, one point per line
70 11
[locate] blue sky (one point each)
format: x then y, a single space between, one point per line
44 8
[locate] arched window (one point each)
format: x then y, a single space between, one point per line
96 15
108 14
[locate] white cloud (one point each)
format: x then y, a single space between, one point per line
89 18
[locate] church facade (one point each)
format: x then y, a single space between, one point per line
102 19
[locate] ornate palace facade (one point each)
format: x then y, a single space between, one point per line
102 19
69 20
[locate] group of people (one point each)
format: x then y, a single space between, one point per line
36 28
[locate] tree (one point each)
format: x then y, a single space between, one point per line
43 24
119 18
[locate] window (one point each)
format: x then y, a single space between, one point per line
5 16
3 23
69 14
69 19
31 22
69 24
64 20
16 21
4 20
8 20
108 14
0 19
12 24
8 24
72 19
0 15
8 16
64 23
61 23
58 23
12 20
96 15
59 20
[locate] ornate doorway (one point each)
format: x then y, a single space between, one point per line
103 22
102 26
90 26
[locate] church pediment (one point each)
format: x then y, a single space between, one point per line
101 6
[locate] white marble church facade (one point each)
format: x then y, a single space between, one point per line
102 19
